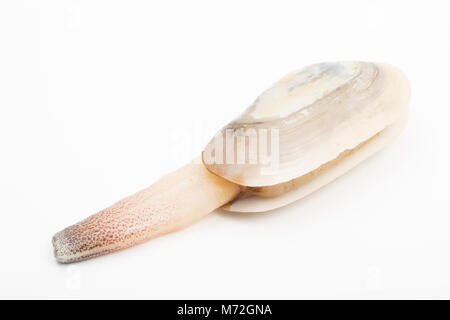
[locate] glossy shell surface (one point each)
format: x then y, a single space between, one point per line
326 117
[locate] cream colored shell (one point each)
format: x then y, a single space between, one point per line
328 117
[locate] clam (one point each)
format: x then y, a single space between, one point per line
303 132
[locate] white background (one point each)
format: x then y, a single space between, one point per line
98 99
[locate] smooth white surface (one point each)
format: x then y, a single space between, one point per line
98 99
